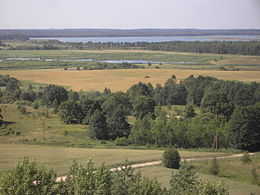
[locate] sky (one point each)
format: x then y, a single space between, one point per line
125 14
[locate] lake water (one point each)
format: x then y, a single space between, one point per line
153 39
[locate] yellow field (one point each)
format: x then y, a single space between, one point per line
120 80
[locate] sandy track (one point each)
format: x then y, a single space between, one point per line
154 163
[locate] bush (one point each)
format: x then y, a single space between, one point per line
185 180
122 141
205 188
35 105
171 158
214 168
245 158
21 109
28 178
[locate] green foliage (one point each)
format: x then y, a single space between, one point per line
142 106
205 188
171 158
122 141
54 92
214 167
117 124
244 128
21 109
98 125
218 104
124 180
88 107
28 178
35 105
71 112
246 158
116 107
140 89
185 180
73 96
189 111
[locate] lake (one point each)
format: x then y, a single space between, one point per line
153 39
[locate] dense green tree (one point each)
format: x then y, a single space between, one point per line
98 125
171 158
244 128
140 89
218 104
73 96
117 124
116 100
54 92
196 87
189 111
142 106
158 95
116 107
141 132
28 95
12 85
71 112
88 107
28 178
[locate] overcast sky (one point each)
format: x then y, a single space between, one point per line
130 14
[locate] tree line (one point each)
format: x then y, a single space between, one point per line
218 47
229 111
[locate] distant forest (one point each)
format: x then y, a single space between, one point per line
27 33
219 47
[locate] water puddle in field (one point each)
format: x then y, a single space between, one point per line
90 60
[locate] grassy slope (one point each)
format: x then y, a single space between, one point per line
12 147
235 187
60 158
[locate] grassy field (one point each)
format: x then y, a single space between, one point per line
120 80
235 187
51 133
60 158
175 59
233 168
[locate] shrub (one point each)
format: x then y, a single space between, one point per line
205 188
21 109
171 158
245 158
28 178
35 105
122 141
214 168
184 181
